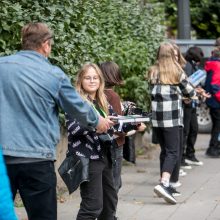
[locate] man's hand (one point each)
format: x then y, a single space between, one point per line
103 125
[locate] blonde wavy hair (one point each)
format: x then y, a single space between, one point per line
100 95
181 60
166 70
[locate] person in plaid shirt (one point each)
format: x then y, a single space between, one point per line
168 86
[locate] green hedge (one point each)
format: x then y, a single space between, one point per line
92 31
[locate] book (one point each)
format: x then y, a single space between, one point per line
197 77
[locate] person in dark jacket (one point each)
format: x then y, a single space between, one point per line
212 85
6 202
193 57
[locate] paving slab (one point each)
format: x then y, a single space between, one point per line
200 199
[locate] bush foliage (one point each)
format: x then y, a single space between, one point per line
92 31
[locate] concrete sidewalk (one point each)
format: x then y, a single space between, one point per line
200 190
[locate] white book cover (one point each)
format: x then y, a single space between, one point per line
197 77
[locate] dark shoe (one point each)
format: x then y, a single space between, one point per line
164 192
174 192
193 161
213 152
185 165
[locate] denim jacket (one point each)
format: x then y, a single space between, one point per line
31 92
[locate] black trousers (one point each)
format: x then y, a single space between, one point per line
175 174
190 132
169 140
215 115
99 197
36 183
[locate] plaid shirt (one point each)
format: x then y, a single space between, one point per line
166 103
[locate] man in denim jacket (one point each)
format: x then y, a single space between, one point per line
32 91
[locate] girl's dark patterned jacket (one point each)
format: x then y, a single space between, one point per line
82 141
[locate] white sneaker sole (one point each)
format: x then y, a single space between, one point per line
173 194
176 185
183 174
160 192
176 194
186 167
200 163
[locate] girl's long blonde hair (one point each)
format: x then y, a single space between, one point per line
100 95
181 60
166 70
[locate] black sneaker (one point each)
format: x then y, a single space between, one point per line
193 161
185 165
213 152
164 192
173 191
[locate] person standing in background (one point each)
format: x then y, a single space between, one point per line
212 85
112 77
193 57
217 42
32 91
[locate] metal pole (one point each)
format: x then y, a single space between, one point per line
184 20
